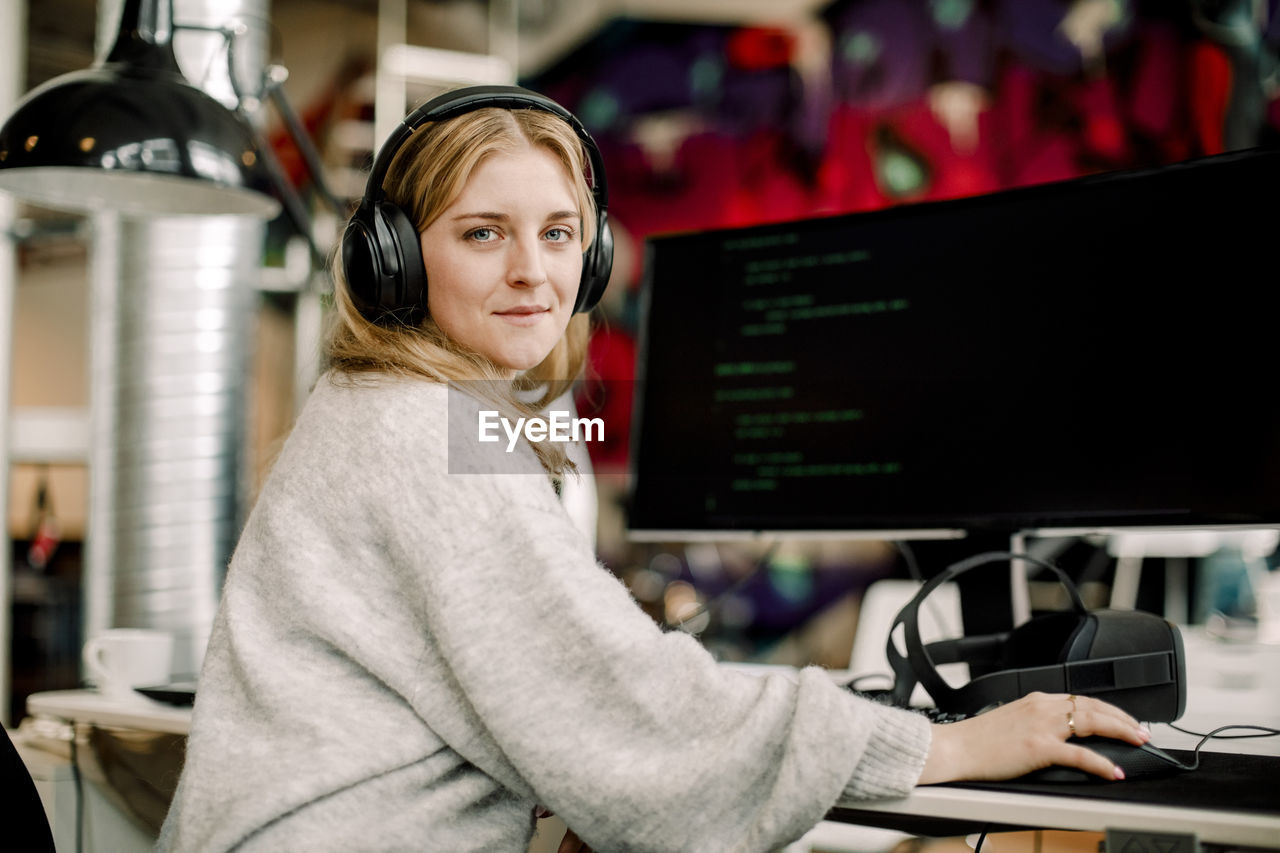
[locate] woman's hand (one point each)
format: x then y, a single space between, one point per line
1026 735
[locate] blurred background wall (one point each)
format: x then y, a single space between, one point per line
709 114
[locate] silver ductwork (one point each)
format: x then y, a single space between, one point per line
171 333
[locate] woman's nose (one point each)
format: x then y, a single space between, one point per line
525 266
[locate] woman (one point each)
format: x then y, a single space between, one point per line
416 649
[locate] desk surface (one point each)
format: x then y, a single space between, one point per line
90 706
1226 683
945 810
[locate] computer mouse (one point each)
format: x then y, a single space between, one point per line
1137 762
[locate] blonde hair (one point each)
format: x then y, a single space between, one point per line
426 175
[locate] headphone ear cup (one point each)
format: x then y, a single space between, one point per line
404 293
361 266
382 262
597 264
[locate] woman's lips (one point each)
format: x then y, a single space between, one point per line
523 315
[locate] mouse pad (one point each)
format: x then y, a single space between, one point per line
1223 781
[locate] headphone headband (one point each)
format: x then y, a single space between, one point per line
459 102
381 256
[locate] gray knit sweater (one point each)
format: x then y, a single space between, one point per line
411 659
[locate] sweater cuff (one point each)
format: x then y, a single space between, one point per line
894 756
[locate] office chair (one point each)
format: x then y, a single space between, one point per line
25 826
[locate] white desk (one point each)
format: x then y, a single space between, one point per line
89 706
926 807
86 805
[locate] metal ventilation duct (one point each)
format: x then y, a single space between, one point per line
172 314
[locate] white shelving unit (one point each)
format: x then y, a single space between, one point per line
13 28
56 435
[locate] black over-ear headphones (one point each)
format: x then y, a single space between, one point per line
1127 657
381 252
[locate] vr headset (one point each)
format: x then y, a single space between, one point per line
1128 658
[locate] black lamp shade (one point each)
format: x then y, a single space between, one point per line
132 135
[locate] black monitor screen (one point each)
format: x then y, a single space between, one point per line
1098 352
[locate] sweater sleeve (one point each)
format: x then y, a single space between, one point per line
570 693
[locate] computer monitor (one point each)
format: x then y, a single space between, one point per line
1091 354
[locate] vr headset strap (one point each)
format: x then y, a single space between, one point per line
1081 677
918 662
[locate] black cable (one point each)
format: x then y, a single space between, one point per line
977 848
931 604
909 557
79 788
716 600
1263 731
852 684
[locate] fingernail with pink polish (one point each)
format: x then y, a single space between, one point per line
1118 773
1144 732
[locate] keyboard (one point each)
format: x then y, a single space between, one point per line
934 715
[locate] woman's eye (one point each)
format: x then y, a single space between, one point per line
481 235
559 235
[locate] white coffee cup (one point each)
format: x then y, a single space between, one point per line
120 659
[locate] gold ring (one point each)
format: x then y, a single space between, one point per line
1071 715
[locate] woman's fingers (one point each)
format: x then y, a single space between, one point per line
1083 758
1086 717
1033 732
1089 717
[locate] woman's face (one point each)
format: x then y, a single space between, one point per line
504 260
